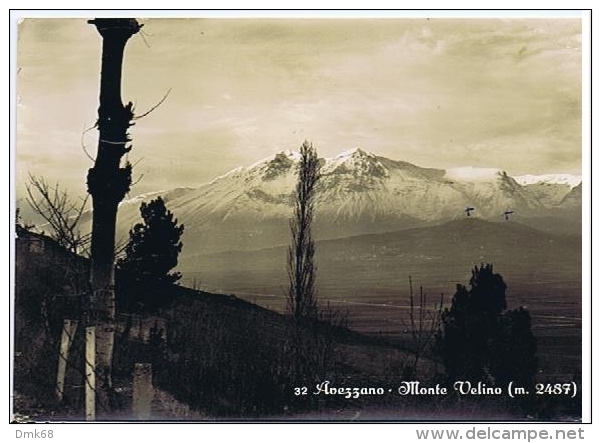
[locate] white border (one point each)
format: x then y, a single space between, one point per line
586 218
299 13
299 432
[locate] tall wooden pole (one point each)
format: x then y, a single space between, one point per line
108 183
90 374
69 329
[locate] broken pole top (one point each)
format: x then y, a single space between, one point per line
125 26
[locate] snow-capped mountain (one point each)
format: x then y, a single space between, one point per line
550 189
359 192
570 180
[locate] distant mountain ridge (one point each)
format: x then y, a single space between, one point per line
434 255
359 192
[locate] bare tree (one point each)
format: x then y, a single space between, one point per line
302 299
108 183
422 325
60 213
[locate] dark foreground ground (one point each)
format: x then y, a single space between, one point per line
224 358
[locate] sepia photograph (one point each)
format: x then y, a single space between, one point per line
300 217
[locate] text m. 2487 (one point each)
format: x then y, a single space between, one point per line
35 434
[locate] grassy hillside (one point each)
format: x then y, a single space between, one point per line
367 277
225 357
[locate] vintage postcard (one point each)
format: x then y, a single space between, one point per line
301 217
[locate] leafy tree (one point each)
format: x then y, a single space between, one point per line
482 341
144 276
302 300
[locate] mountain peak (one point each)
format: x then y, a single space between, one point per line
280 156
276 165
355 153
357 163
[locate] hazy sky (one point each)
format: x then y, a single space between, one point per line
434 92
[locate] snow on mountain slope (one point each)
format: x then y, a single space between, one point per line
359 192
573 198
557 179
550 189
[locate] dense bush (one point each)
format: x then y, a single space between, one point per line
480 340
